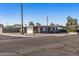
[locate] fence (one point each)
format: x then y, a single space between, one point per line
13 29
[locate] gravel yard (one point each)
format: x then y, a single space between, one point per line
39 46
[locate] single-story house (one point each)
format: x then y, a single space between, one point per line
43 29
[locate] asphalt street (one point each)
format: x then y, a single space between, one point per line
39 46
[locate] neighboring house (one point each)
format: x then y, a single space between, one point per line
1 25
43 29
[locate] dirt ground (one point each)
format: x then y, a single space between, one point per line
39 46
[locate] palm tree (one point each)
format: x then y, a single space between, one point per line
71 23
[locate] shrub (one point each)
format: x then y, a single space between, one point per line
71 30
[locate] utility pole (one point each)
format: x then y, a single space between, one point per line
47 23
22 19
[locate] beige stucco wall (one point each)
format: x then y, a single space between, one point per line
30 30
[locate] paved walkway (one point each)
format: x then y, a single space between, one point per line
34 35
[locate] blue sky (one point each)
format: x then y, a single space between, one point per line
37 12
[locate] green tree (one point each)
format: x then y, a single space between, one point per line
38 24
71 23
52 24
31 23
